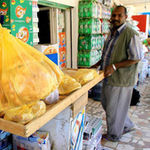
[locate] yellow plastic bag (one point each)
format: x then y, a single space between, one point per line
25 113
25 74
68 85
3 102
82 75
22 114
38 108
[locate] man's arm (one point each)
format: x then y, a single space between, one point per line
109 69
134 56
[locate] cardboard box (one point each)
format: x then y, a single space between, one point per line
16 11
39 140
18 18
93 125
53 57
21 31
62 37
51 51
47 48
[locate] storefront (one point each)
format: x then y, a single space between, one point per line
71 33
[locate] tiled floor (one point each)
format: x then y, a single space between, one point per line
139 139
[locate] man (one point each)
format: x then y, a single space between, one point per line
121 54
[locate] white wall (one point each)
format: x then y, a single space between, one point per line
117 2
75 34
139 8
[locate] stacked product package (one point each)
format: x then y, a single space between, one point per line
17 16
91 29
5 140
90 44
92 133
37 141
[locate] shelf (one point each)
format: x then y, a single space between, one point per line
51 112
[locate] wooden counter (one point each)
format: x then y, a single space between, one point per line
51 112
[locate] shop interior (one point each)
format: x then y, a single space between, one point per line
51 82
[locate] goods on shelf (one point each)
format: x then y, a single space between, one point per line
82 75
30 76
89 9
105 26
23 32
106 13
91 42
18 18
68 85
62 49
25 113
89 26
88 58
93 24
92 133
99 1
52 98
51 51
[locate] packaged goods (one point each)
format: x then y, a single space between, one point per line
3 134
87 9
37 141
16 11
51 51
26 74
77 130
89 26
25 113
53 97
91 42
68 85
18 18
92 133
88 57
93 126
105 26
82 75
5 140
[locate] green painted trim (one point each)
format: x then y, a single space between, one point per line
53 4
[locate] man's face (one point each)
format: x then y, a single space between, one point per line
118 17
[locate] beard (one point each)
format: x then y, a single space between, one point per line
115 24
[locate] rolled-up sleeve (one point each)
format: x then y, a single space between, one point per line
135 51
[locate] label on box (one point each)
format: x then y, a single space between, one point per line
16 10
47 49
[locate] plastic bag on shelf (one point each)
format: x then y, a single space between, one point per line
82 75
68 85
53 97
25 113
25 74
38 108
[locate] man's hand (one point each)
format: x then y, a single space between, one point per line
108 71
